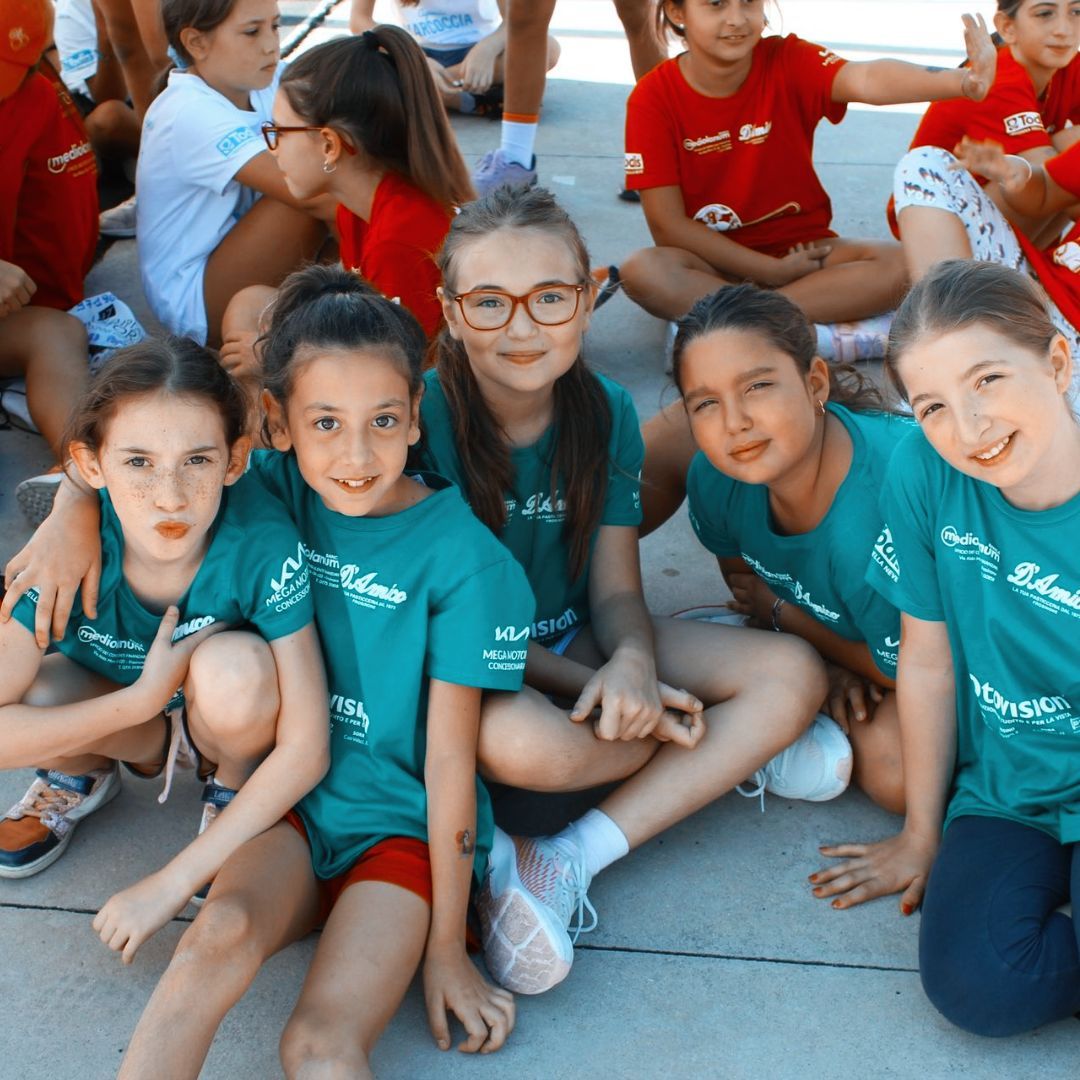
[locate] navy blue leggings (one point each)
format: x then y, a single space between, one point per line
994 955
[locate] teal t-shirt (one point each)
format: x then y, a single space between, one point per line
821 571
425 594
1006 583
253 574
535 515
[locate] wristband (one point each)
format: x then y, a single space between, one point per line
779 603
1030 170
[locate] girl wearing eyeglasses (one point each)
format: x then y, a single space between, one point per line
214 213
548 454
358 121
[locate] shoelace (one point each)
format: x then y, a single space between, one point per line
49 804
181 753
572 871
758 779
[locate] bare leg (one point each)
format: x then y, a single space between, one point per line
367 957
265 897
232 703
266 245
639 21
667 281
114 129
139 69
48 347
669 449
527 23
876 748
931 235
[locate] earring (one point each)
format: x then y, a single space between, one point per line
821 406
329 166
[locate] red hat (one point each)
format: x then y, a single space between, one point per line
25 30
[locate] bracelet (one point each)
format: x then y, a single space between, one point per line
779 603
1030 170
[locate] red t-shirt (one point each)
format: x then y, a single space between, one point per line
1058 265
396 249
744 163
48 191
1011 114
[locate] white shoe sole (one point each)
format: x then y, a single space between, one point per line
835 746
36 496
106 793
525 949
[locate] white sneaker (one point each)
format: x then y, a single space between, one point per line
534 889
118 221
816 767
36 495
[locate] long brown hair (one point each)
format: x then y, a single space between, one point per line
377 90
781 322
582 415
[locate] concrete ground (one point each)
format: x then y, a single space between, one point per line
711 958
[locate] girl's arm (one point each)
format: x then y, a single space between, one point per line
298 761
32 733
626 688
361 16
450 979
666 217
62 557
262 174
926 702
893 82
1027 186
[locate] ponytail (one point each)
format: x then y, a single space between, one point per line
377 90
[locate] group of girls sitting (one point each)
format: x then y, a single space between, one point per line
533 661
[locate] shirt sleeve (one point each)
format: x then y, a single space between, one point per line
273 576
813 69
622 500
707 492
211 143
1064 169
652 136
878 622
279 474
478 631
903 567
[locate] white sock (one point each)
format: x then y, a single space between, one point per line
601 841
517 142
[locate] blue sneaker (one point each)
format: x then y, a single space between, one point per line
36 831
494 171
215 797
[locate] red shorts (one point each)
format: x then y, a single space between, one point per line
397 860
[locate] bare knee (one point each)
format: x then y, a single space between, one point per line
223 938
323 1046
879 769
232 680
529 16
797 683
244 312
637 270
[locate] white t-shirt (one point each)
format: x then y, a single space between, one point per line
445 24
77 43
194 142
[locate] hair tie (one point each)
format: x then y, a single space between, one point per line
371 40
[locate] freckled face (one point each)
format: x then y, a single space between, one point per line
351 421
164 461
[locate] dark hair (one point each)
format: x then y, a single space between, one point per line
378 91
1009 8
665 27
582 416
959 293
171 365
782 323
326 307
201 15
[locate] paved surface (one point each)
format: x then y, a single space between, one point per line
711 958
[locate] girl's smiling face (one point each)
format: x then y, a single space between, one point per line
994 409
751 411
1045 33
722 30
523 357
164 461
351 420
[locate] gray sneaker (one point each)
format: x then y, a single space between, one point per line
494 171
119 221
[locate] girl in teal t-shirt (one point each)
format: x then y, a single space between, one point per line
784 491
548 456
140 675
979 551
419 610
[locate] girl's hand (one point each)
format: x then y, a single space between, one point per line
478 68
443 83
752 597
135 914
57 564
451 982
982 58
238 355
629 701
801 260
681 722
852 699
16 288
166 664
901 863
988 159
